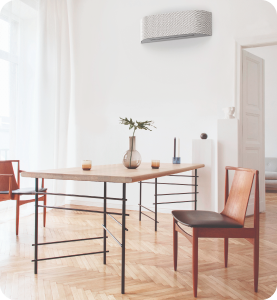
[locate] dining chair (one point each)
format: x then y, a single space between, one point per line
10 188
227 224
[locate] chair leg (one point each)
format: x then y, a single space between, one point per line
195 261
175 245
44 211
256 263
17 216
226 252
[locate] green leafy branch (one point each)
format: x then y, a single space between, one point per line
136 125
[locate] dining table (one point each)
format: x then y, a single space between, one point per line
115 173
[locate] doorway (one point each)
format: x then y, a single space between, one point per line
253 93
269 55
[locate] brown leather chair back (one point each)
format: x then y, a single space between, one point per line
6 167
237 201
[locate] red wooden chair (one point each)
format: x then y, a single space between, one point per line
227 224
10 188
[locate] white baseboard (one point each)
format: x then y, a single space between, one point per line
250 208
262 206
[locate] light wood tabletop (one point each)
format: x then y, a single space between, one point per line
114 173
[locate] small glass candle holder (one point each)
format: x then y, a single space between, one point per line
86 165
155 164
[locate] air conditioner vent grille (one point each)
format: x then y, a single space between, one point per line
176 25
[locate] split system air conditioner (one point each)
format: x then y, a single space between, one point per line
176 25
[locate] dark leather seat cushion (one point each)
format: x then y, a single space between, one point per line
208 219
24 191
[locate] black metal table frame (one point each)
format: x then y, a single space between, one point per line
104 237
172 194
105 213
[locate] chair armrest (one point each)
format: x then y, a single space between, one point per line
10 183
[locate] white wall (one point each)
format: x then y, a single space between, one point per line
269 54
181 85
227 145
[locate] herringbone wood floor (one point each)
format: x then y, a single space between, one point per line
149 266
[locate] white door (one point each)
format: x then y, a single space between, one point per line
252 117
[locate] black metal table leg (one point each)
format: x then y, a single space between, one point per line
36 227
105 224
123 240
156 208
195 190
140 185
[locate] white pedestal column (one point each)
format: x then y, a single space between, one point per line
227 153
203 153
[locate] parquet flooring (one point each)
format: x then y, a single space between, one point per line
149 263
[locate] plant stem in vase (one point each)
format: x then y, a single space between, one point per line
132 158
129 161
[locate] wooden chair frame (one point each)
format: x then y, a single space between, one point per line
11 196
250 234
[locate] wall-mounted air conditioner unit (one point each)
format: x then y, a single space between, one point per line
176 25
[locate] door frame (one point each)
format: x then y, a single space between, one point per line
243 44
